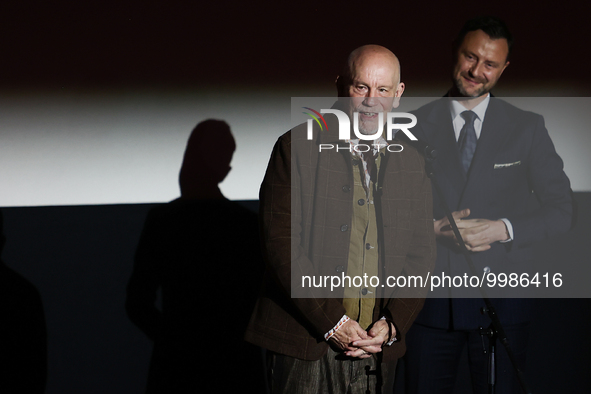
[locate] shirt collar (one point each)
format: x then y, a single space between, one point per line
480 110
380 142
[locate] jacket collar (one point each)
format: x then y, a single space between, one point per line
438 129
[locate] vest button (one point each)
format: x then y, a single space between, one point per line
364 291
361 201
367 246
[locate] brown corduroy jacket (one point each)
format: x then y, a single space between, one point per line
306 208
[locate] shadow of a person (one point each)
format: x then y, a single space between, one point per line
202 251
23 335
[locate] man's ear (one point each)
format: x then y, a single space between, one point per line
505 66
398 94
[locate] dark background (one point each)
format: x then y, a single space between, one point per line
270 44
81 257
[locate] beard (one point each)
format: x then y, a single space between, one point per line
371 125
368 127
476 93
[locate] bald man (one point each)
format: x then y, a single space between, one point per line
340 212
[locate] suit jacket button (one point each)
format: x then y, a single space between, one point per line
344 227
346 188
339 269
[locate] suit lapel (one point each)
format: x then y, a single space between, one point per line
439 133
496 129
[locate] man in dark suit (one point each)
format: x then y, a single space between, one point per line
501 175
332 213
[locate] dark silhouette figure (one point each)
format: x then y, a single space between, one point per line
202 251
23 336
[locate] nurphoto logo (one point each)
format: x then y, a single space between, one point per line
345 128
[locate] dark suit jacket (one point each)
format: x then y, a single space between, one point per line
306 210
515 174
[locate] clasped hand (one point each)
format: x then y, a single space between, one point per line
478 234
356 342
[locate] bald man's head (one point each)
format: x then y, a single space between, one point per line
371 81
367 62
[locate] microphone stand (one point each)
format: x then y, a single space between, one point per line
495 330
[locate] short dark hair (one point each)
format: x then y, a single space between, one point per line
494 27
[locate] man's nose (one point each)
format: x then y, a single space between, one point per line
371 98
476 70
